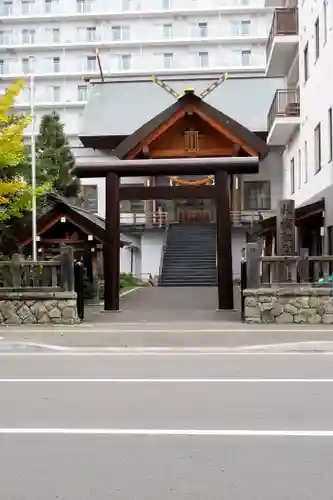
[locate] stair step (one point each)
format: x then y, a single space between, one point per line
190 256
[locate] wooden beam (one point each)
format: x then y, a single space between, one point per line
112 243
180 153
157 133
166 192
223 230
224 131
173 166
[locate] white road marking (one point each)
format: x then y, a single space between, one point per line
169 432
170 380
94 352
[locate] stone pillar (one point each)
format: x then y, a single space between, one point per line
285 228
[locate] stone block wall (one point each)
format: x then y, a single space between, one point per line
297 305
43 308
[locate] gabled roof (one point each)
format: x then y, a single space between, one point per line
235 128
58 206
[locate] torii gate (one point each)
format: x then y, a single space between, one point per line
247 143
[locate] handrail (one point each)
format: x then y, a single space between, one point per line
164 247
155 219
284 23
286 103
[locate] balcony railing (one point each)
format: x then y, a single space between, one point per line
245 218
285 22
143 219
286 103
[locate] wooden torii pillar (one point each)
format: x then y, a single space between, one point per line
220 167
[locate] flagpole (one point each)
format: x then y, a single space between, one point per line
33 167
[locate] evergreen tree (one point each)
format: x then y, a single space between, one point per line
54 158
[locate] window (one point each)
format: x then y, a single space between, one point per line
28 36
257 195
325 20
28 65
54 94
5 37
47 6
56 64
91 63
91 34
245 27
7 8
299 176
203 30
306 63
120 32
165 4
317 39
82 93
168 60
330 135
83 6
90 201
203 59
292 176
134 206
317 147
246 57
127 5
27 6
56 35
125 62
2 66
167 30
305 162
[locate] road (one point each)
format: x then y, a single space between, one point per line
147 426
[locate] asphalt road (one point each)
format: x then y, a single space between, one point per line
166 426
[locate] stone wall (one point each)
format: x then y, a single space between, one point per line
26 308
289 305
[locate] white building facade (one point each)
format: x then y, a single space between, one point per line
56 39
300 49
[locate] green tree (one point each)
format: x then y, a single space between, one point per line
54 158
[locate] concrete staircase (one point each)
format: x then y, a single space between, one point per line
190 255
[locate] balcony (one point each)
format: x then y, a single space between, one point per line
283 116
282 43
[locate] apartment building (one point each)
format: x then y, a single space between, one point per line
55 40
300 49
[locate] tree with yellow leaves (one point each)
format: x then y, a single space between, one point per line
15 189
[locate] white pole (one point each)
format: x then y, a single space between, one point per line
33 167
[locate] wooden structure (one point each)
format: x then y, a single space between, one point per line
188 138
26 275
62 223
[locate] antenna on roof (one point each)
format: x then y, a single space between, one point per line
208 90
99 64
166 87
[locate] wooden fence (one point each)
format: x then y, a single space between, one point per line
288 270
26 275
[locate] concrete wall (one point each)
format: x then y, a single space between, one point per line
316 97
146 255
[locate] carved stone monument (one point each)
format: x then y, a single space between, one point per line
285 228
